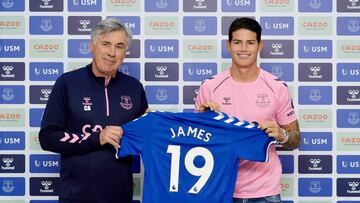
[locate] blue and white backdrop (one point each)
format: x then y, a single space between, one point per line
313 45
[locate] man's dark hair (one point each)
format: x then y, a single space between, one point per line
245 23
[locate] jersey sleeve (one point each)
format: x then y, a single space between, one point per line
285 113
135 135
251 143
202 96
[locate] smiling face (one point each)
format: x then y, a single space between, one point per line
244 48
109 52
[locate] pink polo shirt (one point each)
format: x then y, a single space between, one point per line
265 99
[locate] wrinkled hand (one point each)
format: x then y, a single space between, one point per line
209 105
111 135
147 110
273 130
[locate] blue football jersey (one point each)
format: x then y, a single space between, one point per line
192 157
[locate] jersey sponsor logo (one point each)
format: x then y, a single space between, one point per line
12 140
125 102
40 94
161 48
226 101
10 117
12 186
160 26
238 5
316 141
315 48
348 164
161 71
348 72
315 118
315 26
200 6
161 6
87 103
44 186
348 187
315 164
12 163
12 48
46 5
199 48
348 95
44 71
44 163
315 72
12 71
84 5
277 25
198 71
278 49
46 48
348 6
315 187
81 25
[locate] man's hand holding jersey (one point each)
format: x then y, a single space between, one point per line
287 135
111 135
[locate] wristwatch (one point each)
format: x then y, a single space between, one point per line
286 136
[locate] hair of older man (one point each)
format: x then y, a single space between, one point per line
110 25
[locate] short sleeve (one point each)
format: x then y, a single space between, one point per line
286 112
252 143
135 136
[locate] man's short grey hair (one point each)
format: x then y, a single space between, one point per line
110 25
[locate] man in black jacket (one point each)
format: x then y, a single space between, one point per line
82 118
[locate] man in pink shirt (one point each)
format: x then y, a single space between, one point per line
250 93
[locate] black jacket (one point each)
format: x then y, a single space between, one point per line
79 107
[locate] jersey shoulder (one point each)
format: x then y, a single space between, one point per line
272 81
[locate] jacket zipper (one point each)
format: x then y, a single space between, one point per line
107 80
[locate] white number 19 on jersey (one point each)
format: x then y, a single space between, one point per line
204 172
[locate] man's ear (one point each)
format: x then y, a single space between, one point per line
261 45
91 46
228 45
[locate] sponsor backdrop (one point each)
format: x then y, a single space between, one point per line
313 45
